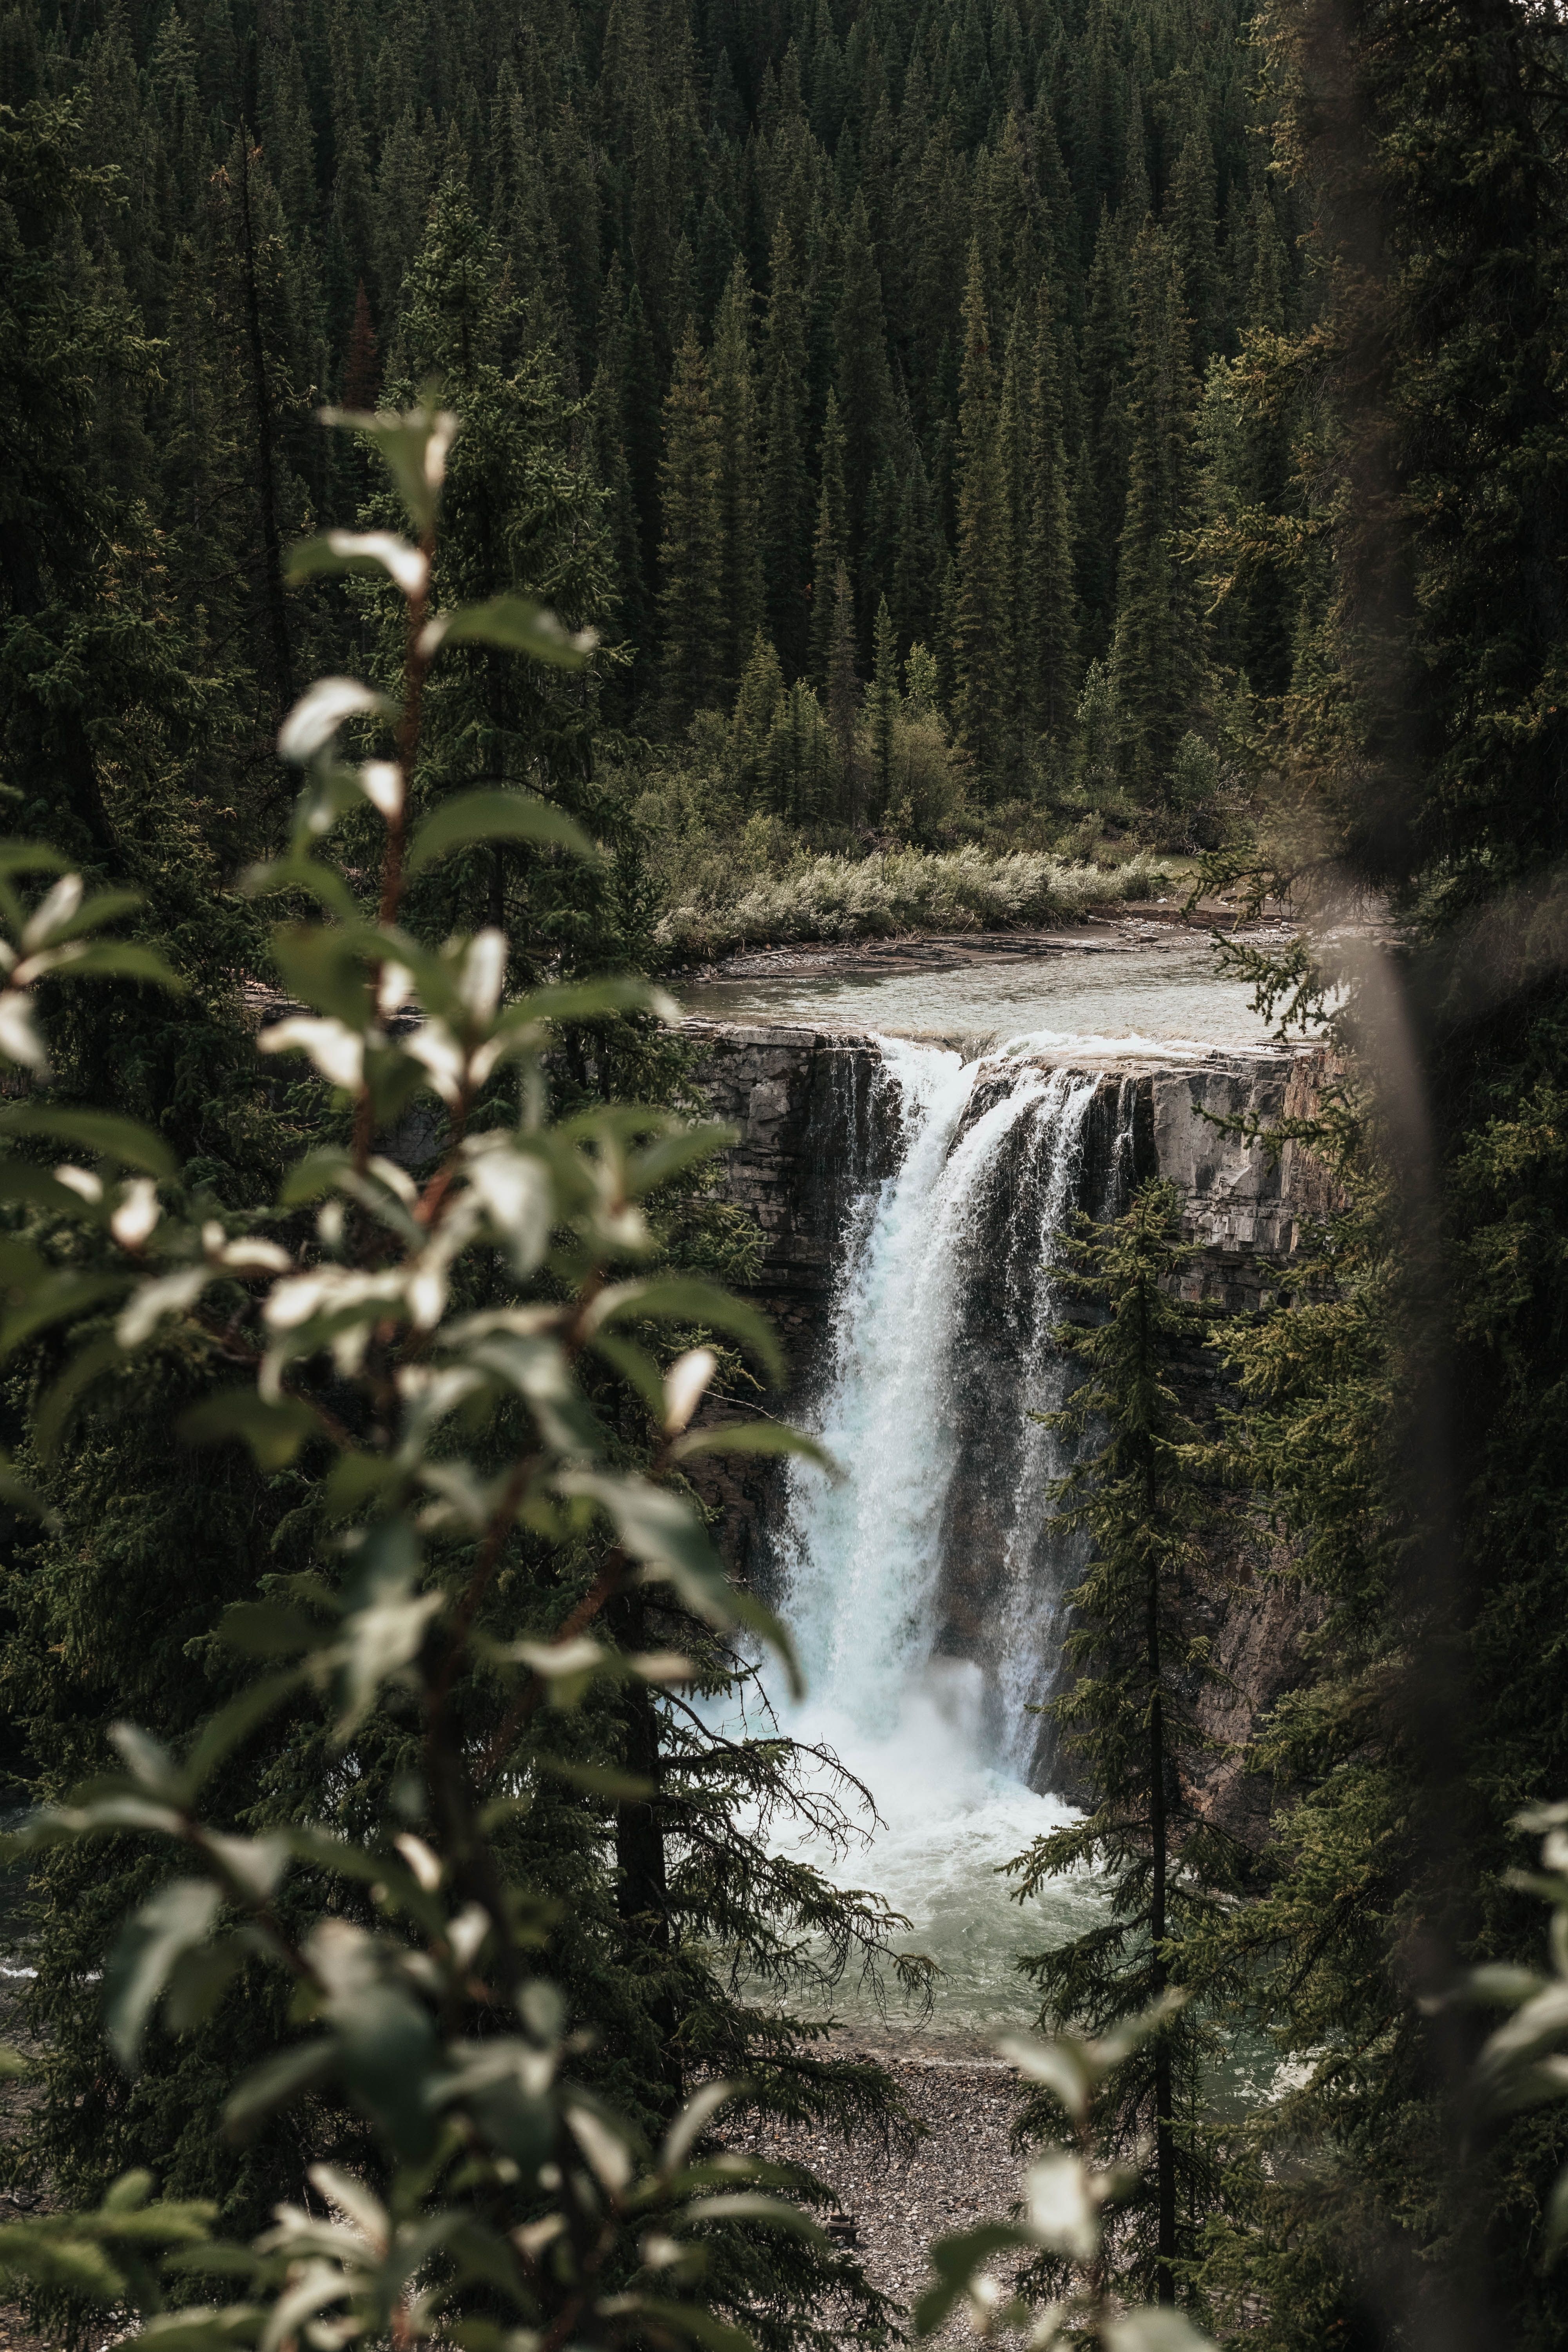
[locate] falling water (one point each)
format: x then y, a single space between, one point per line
925 1588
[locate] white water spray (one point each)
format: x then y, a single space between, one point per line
938 1725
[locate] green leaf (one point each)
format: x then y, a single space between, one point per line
265 1628
956 2259
274 1430
321 711
673 1154
339 551
586 1000
664 1533
688 2319
754 1437
124 959
1059 2066
413 446
635 1366
276 2081
123 1141
40 2254
171 1922
494 816
688 1299
57 1300
319 882
223 1732
692 2121
1557 2218
97 1358
750 2205
14 2067
31 857
198 1982
518 625
23 1179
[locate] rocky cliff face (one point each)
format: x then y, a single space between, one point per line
814 1127
819 1124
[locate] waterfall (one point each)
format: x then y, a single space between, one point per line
936 1548
926 1587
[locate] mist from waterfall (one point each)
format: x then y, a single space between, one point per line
925 1587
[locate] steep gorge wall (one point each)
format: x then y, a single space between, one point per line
816 1123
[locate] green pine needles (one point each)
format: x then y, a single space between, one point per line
1138 1493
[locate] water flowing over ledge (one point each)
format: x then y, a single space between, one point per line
911 1196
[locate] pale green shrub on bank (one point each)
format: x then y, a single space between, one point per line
904 890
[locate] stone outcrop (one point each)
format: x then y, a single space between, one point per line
811 1127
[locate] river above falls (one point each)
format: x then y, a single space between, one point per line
1101 1003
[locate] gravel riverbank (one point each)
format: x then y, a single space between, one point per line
963 2172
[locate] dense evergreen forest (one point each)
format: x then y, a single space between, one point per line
850 377
974 433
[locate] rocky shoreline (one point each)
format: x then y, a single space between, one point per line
893 2200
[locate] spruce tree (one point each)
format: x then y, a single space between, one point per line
1107 357
1047 603
983 616
861 377
919 560
883 708
757 702
1157 660
830 541
1190 219
844 700
733 390
784 528
1126 1720
691 550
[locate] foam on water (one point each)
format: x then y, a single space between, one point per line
942 1744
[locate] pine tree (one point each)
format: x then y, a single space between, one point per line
733 390
1047 623
862 379
351 224
982 622
920 562
522 514
1157 662
1190 219
783 527
1107 357
831 542
882 710
798 765
844 698
691 552
362 359
611 408
1127 1721
757 704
